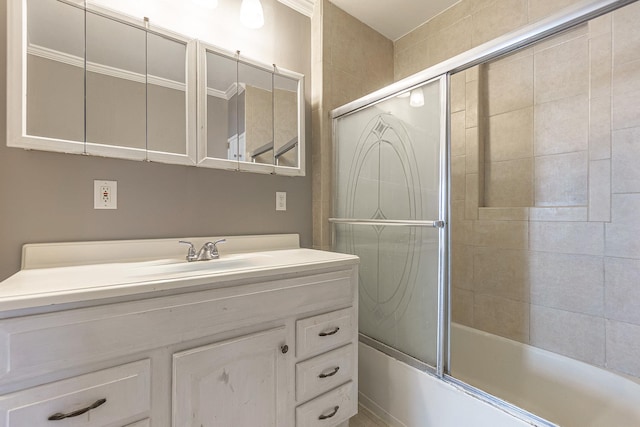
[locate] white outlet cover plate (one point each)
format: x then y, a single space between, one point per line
102 200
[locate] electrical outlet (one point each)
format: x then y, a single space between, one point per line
281 201
105 194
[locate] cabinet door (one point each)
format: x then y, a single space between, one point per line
240 382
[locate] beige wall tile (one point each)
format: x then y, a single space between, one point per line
622 296
501 316
462 232
575 335
623 347
571 214
625 78
474 153
473 73
501 272
501 234
472 104
625 155
458 178
508 183
600 60
600 128
561 179
457 210
623 231
462 307
585 238
600 190
503 214
411 60
562 71
562 126
472 196
458 147
567 282
496 19
626 110
450 41
510 136
601 24
458 87
563 37
462 266
539 9
509 84
626 33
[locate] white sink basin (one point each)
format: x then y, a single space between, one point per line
226 262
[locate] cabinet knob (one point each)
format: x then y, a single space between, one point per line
284 349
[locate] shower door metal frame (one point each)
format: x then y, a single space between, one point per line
566 19
442 224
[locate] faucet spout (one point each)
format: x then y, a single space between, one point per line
209 251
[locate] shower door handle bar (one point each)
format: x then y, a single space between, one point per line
392 222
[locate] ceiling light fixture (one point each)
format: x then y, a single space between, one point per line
251 14
209 4
417 98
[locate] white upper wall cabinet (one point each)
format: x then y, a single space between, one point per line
251 116
84 79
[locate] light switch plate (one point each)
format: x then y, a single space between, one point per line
281 201
105 194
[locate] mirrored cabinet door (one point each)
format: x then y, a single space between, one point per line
285 121
255 116
116 95
219 130
170 135
54 61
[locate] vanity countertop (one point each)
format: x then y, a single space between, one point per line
33 289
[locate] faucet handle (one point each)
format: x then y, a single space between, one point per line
214 249
191 255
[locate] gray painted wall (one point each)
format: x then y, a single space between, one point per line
48 197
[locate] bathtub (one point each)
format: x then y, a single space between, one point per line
559 389
562 390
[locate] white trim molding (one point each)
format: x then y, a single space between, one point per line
305 7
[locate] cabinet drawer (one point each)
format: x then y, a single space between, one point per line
324 332
324 372
119 395
329 409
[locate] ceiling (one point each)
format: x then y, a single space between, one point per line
394 18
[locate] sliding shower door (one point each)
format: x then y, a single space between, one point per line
389 210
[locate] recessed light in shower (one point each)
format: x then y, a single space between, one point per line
417 98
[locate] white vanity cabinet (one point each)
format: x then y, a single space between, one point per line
274 346
240 382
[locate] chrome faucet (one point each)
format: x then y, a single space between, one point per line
208 251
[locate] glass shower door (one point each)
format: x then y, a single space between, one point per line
389 210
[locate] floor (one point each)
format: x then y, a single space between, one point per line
366 419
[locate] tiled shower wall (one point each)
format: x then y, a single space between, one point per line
546 194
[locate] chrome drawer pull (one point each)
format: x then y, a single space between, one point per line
324 417
60 416
326 334
330 374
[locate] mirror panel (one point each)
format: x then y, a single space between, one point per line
285 121
256 115
221 108
55 71
115 88
166 95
